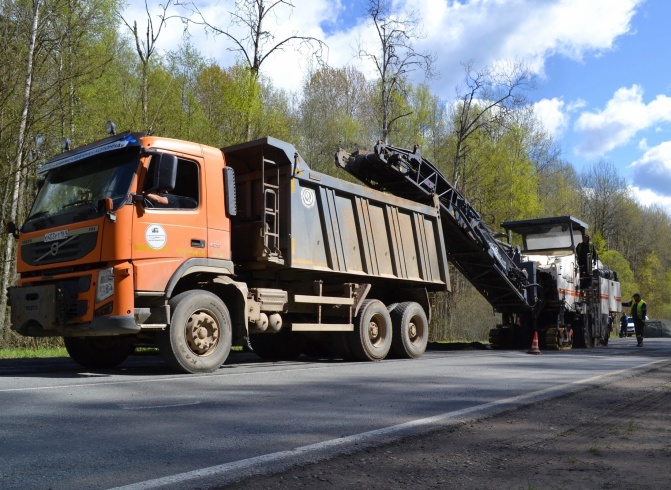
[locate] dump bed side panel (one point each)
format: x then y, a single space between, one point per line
343 227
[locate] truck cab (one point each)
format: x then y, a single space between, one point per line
98 258
568 310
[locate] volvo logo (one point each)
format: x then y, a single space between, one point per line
54 248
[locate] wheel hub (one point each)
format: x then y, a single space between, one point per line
202 333
373 330
412 331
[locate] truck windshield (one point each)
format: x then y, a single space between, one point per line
71 193
550 239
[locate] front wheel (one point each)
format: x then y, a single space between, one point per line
99 352
198 338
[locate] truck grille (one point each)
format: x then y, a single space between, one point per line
79 243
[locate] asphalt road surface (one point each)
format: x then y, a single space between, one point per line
142 427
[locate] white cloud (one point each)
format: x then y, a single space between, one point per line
484 31
551 114
576 105
653 170
624 115
647 197
527 30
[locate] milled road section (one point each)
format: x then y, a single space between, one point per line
615 435
142 427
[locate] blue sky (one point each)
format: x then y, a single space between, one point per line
603 81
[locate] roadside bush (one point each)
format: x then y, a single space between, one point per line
12 340
464 316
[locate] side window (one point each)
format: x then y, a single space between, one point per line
185 194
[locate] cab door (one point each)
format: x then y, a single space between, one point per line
168 233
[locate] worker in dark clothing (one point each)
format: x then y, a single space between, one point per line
609 329
162 199
623 325
639 312
586 260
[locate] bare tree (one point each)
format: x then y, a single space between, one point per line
250 38
253 41
489 97
604 196
396 57
146 48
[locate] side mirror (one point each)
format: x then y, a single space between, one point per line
105 205
230 192
165 172
11 229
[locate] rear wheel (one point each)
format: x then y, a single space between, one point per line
410 330
371 338
99 352
198 339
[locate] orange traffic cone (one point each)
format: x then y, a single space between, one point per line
534 345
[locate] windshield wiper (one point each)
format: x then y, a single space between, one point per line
39 214
79 202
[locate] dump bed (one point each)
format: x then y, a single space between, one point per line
292 219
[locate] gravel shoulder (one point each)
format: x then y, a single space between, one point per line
617 435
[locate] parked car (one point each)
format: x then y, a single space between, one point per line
630 327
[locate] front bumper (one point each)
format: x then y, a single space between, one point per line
49 310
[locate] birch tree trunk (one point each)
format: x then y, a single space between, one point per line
18 171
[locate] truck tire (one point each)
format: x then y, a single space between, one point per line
410 330
198 338
371 338
99 352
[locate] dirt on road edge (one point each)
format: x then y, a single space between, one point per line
617 435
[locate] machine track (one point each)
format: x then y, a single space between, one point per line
558 338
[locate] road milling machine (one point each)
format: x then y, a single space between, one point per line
535 286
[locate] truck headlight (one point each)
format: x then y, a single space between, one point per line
105 284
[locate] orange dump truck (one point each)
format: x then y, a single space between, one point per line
137 240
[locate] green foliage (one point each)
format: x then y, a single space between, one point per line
651 276
334 113
40 352
612 259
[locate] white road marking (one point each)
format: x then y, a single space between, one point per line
127 406
228 473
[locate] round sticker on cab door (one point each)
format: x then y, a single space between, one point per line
308 197
155 236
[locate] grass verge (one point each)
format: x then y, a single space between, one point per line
33 353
